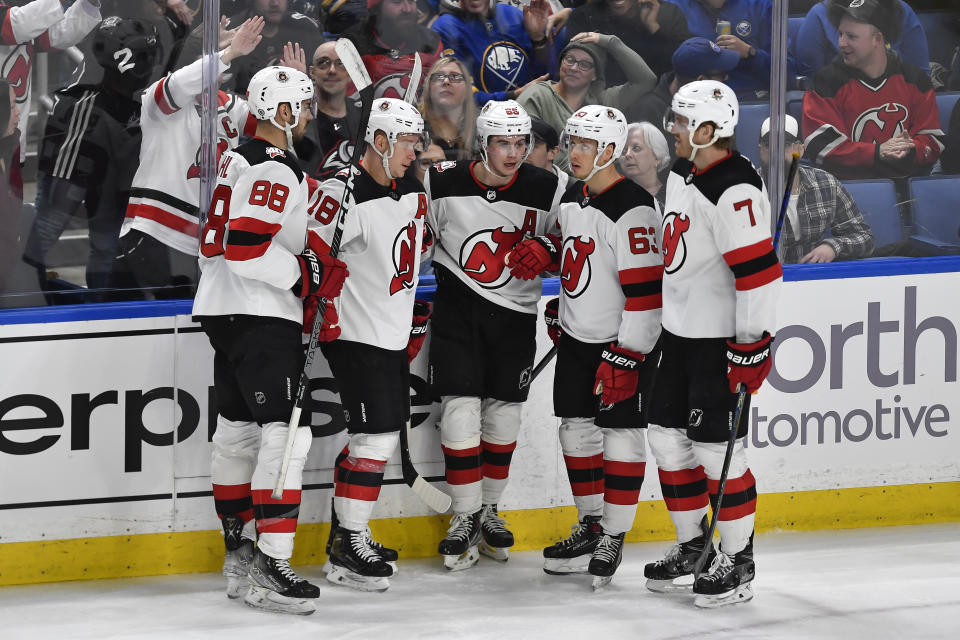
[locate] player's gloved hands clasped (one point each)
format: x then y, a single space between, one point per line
330 329
532 257
749 363
551 316
418 328
617 374
320 276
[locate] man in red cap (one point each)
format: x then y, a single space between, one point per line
387 41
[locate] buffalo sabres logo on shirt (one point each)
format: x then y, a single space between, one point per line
404 258
880 123
482 256
744 28
674 246
503 64
575 269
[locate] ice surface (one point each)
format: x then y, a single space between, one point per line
898 582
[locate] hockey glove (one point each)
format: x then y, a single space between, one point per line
330 329
617 374
532 257
427 239
552 318
418 328
320 276
749 363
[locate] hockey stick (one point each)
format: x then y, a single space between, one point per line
741 394
410 96
544 362
361 80
429 494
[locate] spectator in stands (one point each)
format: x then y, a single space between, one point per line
448 109
818 204
581 82
432 155
749 36
652 28
695 59
546 146
950 160
10 203
870 114
646 158
326 146
816 44
506 49
387 40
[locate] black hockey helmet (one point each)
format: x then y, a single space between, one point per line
127 46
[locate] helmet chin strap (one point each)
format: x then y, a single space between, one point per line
696 147
595 169
484 160
385 160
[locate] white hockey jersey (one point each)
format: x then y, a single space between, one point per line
476 226
256 228
165 193
721 275
381 243
611 266
41 25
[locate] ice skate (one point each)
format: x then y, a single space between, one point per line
354 563
729 581
459 548
236 561
606 558
497 539
274 586
674 573
572 554
389 555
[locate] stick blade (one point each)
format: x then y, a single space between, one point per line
411 95
353 63
431 496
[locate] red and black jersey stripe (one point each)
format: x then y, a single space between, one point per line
249 238
233 500
684 490
755 265
642 287
359 478
496 459
463 465
739 497
585 474
276 516
161 95
622 481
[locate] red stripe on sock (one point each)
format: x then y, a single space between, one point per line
737 512
621 497
619 468
231 491
683 476
687 504
584 462
356 492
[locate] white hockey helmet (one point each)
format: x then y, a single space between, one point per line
272 86
506 118
606 125
705 101
394 118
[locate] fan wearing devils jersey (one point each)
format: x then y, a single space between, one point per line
256 268
160 230
609 326
720 286
382 329
483 339
40 25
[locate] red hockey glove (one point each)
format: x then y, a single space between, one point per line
552 318
427 239
330 329
617 374
320 276
532 257
418 328
749 363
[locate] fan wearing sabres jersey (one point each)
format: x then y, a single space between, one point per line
381 329
607 326
720 286
483 334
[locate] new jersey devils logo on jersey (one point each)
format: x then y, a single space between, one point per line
482 255
404 258
674 246
575 265
393 85
880 124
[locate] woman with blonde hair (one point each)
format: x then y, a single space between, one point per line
646 158
448 108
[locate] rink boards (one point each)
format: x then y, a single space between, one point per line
105 426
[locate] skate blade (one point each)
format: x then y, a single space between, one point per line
599 582
683 584
743 593
267 600
566 566
237 586
500 554
463 561
344 578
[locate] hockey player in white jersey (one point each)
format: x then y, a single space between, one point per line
483 336
720 287
609 319
381 329
256 269
160 229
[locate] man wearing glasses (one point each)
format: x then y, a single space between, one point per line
326 147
